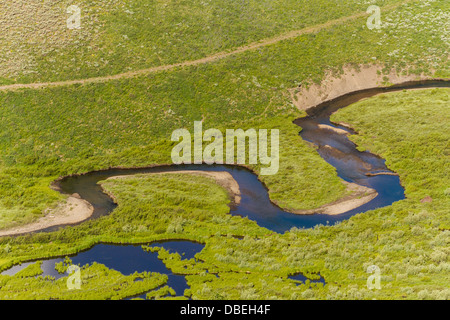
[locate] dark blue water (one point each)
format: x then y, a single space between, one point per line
300 277
126 259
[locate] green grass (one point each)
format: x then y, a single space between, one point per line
64 130
119 36
151 207
166 208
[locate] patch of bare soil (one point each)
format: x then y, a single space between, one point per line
351 80
336 130
358 196
72 211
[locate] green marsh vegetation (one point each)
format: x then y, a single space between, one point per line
424 169
411 131
408 240
63 130
97 281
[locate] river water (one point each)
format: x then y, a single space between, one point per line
363 168
351 165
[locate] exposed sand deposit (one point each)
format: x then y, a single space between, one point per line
351 80
72 211
358 196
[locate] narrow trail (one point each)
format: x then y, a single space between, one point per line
211 58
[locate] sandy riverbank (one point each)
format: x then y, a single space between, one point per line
73 210
350 80
358 195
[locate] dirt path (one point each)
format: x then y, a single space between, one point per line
211 58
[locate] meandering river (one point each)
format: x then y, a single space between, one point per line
362 168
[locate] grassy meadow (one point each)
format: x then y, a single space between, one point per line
120 36
49 132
